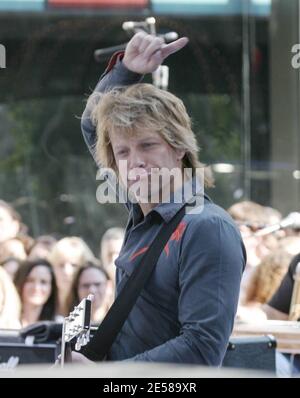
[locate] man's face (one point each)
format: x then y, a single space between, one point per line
143 153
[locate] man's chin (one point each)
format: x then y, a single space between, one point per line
154 196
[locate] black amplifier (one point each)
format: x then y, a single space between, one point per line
21 353
30 346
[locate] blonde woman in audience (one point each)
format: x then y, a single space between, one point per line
13 247
10 222
11 266
266 279
110 246
250 217
10 306
91 278
41 247
35 282
66 256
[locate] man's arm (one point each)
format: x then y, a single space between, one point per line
210 271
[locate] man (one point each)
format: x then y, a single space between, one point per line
186 310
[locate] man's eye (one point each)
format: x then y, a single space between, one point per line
122 152
148 144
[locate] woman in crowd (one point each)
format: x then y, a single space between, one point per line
90 278
10 222
10 305
11 266
66 256
35 282
41 247
250 217
13 247
110 246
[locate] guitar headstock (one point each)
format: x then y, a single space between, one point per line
77 324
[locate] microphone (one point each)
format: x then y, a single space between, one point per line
104 53
131 25
291 221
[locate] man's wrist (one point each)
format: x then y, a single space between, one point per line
116 62
130 73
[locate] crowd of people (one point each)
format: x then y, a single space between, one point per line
269 258
44 278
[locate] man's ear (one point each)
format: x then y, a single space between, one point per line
180 153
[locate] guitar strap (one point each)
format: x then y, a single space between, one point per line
99 345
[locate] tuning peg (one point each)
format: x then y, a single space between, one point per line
87 336
90 297
77 345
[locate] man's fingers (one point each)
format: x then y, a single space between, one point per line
144 52
156 44
137 39
173 47
145 42
155 60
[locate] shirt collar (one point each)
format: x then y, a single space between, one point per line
187 193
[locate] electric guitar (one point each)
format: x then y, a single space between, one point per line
76 325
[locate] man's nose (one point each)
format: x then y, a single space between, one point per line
136 160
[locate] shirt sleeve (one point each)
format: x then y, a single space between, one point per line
211 265
281 300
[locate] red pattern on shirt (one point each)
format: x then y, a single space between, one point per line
140 251
176 235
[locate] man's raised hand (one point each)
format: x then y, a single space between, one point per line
145 53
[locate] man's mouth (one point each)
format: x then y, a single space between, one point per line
136 176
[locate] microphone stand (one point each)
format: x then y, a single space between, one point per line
291 221
103 54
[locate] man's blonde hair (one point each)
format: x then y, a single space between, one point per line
143 106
